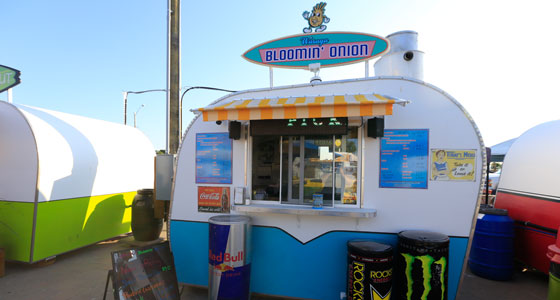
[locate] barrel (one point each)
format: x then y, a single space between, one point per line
229 257
491 254
370 270
421 266
145 226
554 282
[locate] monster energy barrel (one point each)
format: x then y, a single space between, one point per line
370 270
421 266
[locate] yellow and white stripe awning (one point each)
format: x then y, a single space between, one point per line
301 107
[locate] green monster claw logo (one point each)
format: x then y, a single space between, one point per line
427 262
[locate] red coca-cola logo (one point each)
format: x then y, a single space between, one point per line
209 196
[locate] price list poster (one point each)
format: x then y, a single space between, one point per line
213 158
404 159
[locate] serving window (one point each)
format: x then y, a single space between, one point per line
290 164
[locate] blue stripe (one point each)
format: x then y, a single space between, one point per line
283 266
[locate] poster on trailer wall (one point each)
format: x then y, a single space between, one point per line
213 199
404 159
453 165
213 158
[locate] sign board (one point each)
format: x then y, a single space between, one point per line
213 158
404 159
329 49
310 126
453 165
213 199
8 78
145 273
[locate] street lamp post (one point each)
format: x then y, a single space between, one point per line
181 102
136 112
125 98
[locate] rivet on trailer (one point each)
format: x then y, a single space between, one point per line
387 154
66 180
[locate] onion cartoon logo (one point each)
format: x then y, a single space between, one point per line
316 18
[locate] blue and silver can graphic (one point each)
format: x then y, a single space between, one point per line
229 257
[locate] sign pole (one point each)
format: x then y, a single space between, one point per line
271 73
10 100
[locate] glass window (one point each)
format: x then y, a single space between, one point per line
266 168
291 169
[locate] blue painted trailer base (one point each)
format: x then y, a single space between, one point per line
284 266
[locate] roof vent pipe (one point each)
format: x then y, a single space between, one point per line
403 59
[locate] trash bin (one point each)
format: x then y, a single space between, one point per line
229 257
491 254
145 226
421 266
553 254
370 270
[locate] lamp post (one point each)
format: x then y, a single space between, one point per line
181 102
125 98
136 112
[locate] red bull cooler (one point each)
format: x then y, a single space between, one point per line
229 257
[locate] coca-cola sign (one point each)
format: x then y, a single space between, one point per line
213 199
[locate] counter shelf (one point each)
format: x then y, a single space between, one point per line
362 213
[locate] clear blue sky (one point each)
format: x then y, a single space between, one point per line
495 57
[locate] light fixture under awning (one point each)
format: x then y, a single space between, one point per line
301 107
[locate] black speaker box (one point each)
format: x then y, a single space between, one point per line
234 128
375 127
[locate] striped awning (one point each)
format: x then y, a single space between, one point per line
301 107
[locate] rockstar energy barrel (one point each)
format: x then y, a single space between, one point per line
421 266
370 270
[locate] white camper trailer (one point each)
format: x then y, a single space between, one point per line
387 153
66 180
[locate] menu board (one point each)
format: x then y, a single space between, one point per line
404 159
144 273
213 158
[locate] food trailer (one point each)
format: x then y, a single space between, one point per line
530 192
66 180
385 154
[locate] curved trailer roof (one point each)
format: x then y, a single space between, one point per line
66 156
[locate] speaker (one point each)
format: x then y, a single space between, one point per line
375 127
234 129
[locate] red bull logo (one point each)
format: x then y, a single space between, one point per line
225 257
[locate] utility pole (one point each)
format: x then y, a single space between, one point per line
173 75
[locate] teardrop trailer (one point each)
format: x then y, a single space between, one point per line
66 180
368 146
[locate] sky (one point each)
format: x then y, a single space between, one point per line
497 58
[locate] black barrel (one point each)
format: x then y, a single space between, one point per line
421 266
370 270
145 227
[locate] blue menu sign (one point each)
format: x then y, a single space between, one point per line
404 159
213 158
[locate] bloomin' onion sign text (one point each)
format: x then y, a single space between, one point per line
328 49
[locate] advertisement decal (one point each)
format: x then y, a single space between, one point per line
453 165
213 199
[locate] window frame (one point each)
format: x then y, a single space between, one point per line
335 203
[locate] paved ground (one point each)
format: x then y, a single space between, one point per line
81 274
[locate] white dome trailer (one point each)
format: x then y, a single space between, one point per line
530 192
66 180
378 166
